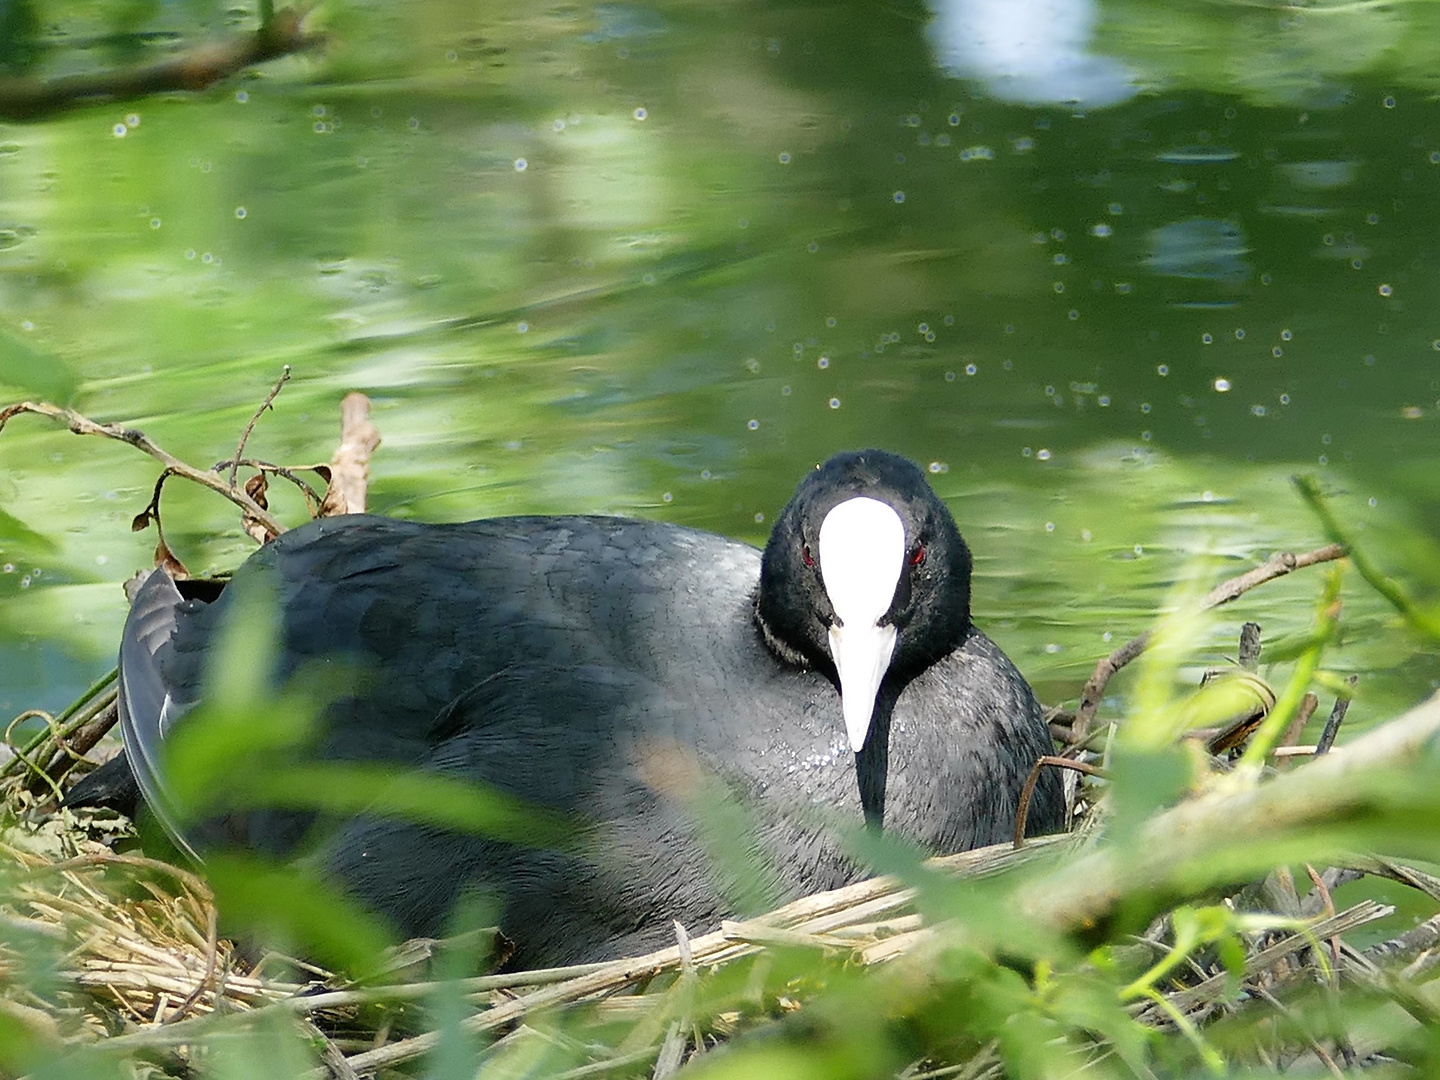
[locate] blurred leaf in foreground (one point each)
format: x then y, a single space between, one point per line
1424 619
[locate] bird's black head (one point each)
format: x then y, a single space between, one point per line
865 577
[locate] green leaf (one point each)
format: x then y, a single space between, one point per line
349 788
294 909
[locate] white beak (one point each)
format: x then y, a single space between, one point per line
861 657
862 553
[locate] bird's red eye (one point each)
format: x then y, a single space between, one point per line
805 554
918 555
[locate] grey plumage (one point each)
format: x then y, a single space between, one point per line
612 670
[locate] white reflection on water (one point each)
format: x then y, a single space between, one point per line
1203 249
1031 51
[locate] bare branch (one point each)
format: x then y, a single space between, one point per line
350 467
82 425
1277 565
250 427
1337 716
195 69
1022 810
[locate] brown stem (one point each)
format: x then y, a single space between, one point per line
195 69
1337 716
1022 811
250 427
82 425
81 742
350 467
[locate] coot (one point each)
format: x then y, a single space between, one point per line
632 676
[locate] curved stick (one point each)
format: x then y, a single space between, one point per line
1278 565
1022 811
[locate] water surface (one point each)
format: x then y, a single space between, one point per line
1113 283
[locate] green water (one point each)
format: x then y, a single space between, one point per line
659 259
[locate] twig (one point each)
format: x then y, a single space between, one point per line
82 425
1228 826
250 427
1337 716
200 67
1315 1047
1249 655
1406 875
1418 939
1022 809
69 752
1308 704
330 1054
1329 908
312 497
1277 565
350 467
1366 911
212 950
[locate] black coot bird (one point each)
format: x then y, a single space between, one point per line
610 669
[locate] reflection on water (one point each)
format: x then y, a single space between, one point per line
1035 52
1199 248
647 259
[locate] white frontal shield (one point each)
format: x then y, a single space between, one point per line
862 554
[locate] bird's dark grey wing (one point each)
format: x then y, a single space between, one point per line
148 704
588 744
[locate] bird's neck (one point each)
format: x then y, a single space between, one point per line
872 763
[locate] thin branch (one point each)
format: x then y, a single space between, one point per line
82 741
82 425
287 472
195 69
1022 810
212 953
330 1054
1277 565
1228 826
350 467
1337 716
250 427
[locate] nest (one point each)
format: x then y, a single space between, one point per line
135 968
140 963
